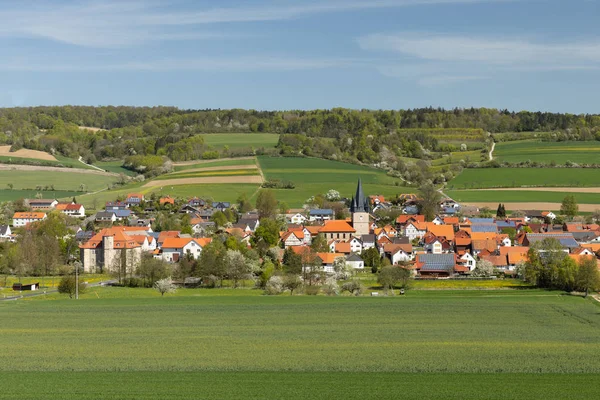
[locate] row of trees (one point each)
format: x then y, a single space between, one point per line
549 266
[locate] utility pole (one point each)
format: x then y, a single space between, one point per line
76 280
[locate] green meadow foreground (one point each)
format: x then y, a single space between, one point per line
133 344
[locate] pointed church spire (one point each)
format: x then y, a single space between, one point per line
359 202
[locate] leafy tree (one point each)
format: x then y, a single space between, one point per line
501 211
292 262
152 269
267 232
212 262
429 201
267 270
219 218
354 287
548 266
391 275
283 207
372 258
266 204
165 286
68 285
319 244
243 203
588 276
237 267
569 206
292 282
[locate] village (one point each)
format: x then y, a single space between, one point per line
451 245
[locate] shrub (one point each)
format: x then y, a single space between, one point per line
312 290
274 286
354 287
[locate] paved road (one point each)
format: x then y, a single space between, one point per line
26 294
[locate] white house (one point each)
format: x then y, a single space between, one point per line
174 249
24 218
438 220
74 210
415 230
355 262
468 261
297 219
506 242
292 239
355 245
5 232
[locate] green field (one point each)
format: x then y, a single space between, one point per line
480 178
520 196
202 174
62 162
64 180
218 163
115 166
241 140
312 176
131 343
546 152
11 195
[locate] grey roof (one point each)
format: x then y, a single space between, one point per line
401 240
566 239
354 257
481 220
320 211
4 229
221 204
368 238
484 228
436 262
105 214
122 213
506 224
584 236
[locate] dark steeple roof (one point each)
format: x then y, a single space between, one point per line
360 203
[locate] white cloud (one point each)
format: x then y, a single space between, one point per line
114 23
436 58
245 64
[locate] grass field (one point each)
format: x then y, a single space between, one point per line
241 140
546 152
115 166
517 177
66 180
198 174
520 196
312 176
11 195
509 344
218 163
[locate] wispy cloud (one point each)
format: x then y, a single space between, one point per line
123 23
431 58
237 64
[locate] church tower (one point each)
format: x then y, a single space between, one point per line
360 208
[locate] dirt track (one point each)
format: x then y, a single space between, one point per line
211 179
211 161
532 206
26 153
14 167
549 189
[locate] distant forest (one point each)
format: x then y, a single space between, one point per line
364 136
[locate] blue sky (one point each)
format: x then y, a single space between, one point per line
280 54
